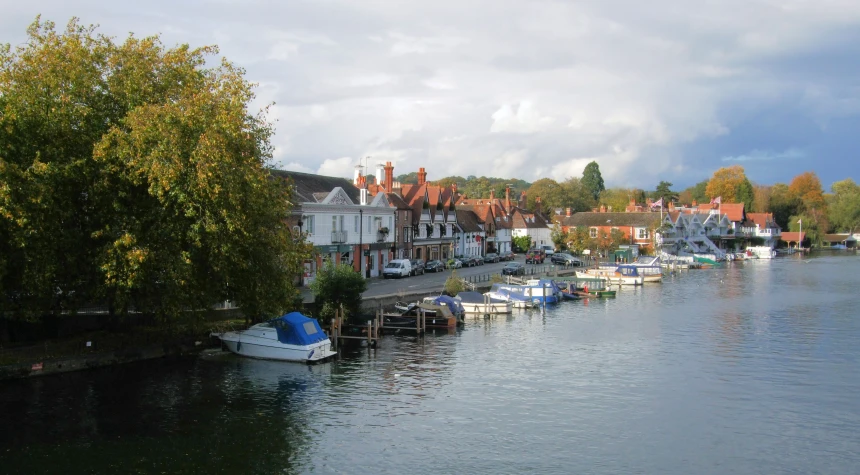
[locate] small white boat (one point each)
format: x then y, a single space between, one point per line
621 275
474 302
515 294
291 337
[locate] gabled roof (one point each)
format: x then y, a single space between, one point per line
310 188
791 236
735 211
396 201
838 237
763 220
639 220
468 221
524 220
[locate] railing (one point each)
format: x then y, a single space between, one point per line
339 236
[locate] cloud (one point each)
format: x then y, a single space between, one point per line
767 155
664 90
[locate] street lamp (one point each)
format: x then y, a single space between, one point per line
360 255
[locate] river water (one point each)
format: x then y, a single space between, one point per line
747 368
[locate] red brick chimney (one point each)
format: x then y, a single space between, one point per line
422 176
389 176
507 200
567 211
695 204
537 205
602 208
453 190
492 196
671 206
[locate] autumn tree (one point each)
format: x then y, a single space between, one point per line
133 174
697 193
761 199
615 199
783 204
578 239
844 206
807 188
592 180
731 185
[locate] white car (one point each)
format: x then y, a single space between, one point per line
397 268
454 264
548 250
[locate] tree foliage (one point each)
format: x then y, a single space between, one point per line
454 284
783 204
336 286
697 193
844 206
664 192
521 243
592 180
731 185
133 174
578 239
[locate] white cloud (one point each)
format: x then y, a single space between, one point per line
767 155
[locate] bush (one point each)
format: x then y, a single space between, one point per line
337 285
454 285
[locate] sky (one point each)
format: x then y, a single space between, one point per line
663 90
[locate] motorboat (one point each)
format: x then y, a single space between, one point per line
515 294
483 304
624 274
290 337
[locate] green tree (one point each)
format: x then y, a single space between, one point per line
135 175
578 239
615 199
695 193
559 238
783 204
549 191
664 192
454 284
844 206
592 180
338 286
521 243
575 195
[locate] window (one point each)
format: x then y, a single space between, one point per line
355 222
643 233
309 224
592 232
407 236
390 223
334 223
378 222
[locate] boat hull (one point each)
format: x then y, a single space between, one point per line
267 349
488 308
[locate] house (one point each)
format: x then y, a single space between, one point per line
636 227
492 214
343 222
761 226
839 241
470 236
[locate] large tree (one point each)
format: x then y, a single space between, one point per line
664 192
592 180
844 207
731 185
695 193
135 175
783 204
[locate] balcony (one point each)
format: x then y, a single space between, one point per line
339 237
381 236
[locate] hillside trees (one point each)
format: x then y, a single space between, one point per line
133 174
664 192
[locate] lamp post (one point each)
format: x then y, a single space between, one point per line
360 242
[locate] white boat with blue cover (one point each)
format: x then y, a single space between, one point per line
291 337
537 291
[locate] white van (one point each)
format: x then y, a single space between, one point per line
397 268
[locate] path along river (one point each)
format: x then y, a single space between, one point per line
747 368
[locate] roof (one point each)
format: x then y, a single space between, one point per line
468 221
640 220
735 211
791 236
522 219
310 188
763 220
839 237
395 200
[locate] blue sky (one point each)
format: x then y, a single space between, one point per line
663 90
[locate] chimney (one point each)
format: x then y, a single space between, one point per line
567 211
380 170
356 175
602 208
389 177
695 204
507 200
422 176
453 190
671 206
522 202
492 196
537 205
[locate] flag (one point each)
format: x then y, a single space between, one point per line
716 200
657 203
799 221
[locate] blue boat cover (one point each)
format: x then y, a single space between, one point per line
455 306
297 329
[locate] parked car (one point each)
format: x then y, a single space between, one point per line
478 260
467 262
454 263
417 267
507 256
565 259
397 268
434 266
491 257
535 256
548 250
513 268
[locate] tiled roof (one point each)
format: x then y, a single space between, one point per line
838 237
524 220
763 220
310 188
734 211
468 221
611 219
395 200
791 236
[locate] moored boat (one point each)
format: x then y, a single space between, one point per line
475 302
291 337
623 274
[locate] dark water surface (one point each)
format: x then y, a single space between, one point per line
750 368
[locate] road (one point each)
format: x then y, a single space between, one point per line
435 281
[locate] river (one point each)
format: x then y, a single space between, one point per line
747 368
